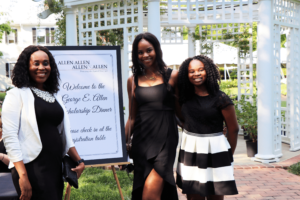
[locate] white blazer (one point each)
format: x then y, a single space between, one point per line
20 130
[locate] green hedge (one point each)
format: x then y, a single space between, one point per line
233 73
228 84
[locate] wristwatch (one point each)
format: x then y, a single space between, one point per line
80 161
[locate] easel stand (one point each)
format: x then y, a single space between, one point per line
117 180
68 192
68 189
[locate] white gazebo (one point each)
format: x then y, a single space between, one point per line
272 16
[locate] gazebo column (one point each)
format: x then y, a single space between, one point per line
191 42
71 29
125 75
265 80
154 18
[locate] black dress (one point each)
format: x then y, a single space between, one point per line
45 172
205 163
155 138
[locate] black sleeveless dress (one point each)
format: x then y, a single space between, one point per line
155 138
45 172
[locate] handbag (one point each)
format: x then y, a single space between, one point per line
3 167
69 175
129 137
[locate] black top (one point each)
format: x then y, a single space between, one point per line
203 114
157 97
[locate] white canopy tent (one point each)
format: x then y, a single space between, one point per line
283 56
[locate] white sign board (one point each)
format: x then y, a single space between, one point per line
91 90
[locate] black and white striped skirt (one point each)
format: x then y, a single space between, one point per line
205 165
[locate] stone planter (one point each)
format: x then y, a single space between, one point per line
246 136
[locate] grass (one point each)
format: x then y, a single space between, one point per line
294 169
96 183
283 89
283 103
284 71
2 96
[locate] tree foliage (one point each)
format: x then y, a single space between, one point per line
54 6
4 28
283 41
60 33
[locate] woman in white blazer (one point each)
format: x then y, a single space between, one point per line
36 130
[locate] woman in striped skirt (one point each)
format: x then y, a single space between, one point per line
205 167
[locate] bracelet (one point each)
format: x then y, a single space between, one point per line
2 157
80 161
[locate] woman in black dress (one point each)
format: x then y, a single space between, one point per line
36 128
205 161
151 92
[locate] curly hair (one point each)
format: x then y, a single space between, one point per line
138 67
20 74
187 89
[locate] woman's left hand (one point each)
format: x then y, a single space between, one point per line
79 169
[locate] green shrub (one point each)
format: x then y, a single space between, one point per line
246 114
295 169
233 74
228 84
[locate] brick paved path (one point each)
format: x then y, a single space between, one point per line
267 183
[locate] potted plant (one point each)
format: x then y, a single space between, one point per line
246 113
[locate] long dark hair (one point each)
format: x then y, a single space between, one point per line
138 67
20 74
187 89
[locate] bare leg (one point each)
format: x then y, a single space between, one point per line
215 197
153 187
195 197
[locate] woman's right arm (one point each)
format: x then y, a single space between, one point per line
25 186
132 106
11 113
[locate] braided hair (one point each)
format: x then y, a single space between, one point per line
187 89
138 67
